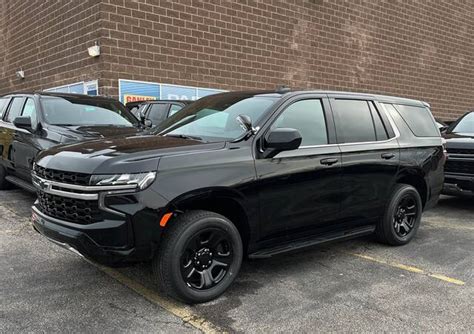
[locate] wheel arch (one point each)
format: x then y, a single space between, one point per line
417 180
226 202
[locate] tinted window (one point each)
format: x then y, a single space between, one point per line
86 111
15 108
380 130
3 104
353 121
419 120
174 109
157 113
465 125
30 110
306 116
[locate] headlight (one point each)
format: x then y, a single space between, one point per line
142 180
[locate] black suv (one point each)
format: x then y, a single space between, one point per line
243 174
31 122
156 111
459 171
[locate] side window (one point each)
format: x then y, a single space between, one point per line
306 116
380 131
419 120
30 110
15 108
174 109
157 113
3 105
353 121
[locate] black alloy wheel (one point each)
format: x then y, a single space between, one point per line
206 259
199 256
402 216
405 215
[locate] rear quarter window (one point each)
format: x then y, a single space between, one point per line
419 120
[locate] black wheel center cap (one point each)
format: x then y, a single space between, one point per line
203 258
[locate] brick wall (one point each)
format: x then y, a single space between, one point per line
420 49
48 39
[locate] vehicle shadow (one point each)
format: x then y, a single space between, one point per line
456 203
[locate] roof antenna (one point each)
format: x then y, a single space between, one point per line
283 89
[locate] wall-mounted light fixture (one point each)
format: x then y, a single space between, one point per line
94 51
20 74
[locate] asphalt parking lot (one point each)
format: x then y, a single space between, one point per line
352 286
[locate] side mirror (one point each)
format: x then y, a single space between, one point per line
245 122
147 123
281 139
443 129
23 122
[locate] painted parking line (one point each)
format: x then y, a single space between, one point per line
181 311
409 268
448 225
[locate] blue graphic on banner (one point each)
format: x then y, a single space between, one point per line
138 90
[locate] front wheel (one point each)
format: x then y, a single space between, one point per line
200 256
402 216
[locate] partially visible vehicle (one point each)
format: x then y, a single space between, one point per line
459 169
156 111
32 122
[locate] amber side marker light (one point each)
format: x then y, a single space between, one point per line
166 217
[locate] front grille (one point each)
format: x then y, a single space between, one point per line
459 166
460 151
69 209
62 176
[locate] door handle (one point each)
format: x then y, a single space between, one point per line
328 161
388 156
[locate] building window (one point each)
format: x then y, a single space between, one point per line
87 88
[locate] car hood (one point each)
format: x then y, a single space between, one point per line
76 133
129 154
459 141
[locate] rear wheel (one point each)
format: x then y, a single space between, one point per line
402 216
200 256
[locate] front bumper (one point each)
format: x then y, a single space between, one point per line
458 185
81 239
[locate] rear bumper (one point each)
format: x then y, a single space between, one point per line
79 239
458 185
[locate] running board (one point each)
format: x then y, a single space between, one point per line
304 243
20 183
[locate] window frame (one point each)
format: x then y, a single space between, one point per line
266 126
8 110
5 108
387 123
35 124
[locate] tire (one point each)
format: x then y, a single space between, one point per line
4 184
400 222
204 245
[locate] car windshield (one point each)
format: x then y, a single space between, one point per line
466 125
214 118
86 111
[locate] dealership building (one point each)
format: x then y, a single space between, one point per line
186 49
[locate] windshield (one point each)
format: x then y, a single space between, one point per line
213 118
86 111
465 125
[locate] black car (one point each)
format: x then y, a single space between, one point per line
459 169
31 122
156 111
243 174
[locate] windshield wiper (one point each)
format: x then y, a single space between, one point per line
175 135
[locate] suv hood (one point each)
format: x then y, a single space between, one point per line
74 133
459 141
133 154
